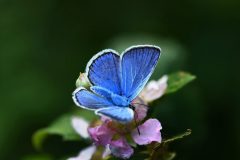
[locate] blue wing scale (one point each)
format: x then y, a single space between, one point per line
121 114
137 66
88 100
103 70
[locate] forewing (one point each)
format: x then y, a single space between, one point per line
120 114
104 70
137 66
88 100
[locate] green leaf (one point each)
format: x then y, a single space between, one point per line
177 80
61 127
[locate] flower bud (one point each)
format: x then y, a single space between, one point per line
82 81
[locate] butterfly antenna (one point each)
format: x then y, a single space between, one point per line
135 119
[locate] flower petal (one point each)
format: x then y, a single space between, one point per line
101 135
85 154
154 89
105 119
106 152
149 132
80 125
140 108
121 149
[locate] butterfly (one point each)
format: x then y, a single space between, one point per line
116 80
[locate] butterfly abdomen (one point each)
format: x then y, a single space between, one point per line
115 98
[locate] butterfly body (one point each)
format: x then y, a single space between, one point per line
116 80
114 98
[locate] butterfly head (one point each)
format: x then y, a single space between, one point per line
132 107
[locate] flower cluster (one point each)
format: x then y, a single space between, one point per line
119 139
112 135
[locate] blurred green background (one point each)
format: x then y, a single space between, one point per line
44 44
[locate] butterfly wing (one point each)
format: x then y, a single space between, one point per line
123 76
104 70
101 91
102 106
120 114
137 65
88 100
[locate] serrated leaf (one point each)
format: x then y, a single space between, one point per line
177 80
61 127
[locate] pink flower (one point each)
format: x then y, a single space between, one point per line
121 149
154 89
101 135
149 132
80 125
106 152
140 109
106 133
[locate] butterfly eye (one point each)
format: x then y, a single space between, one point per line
132 107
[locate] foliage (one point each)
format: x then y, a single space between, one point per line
62 127
177 80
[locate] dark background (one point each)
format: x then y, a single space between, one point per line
44 44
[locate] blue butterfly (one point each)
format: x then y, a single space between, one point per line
116 80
